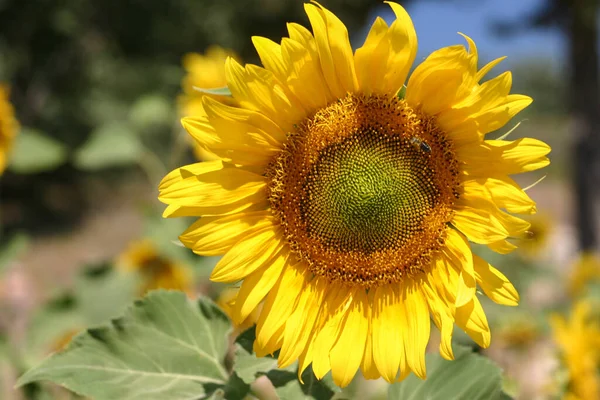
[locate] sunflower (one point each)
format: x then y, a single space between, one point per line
585 270
205 71
538 235
579 342
518 331
347 204
155 271
8 127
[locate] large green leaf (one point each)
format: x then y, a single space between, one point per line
164 347
112 145
470 377
35 152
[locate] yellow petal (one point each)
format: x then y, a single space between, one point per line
487 96
491 119
179 174
371 58
494 157
270 56
384 60
335 52
418 329
471 318
257 122
299 325
277 308
303 36
487 68
388 327
459 253
306 358
441 80
211 236
494 284
230 141
368 367
256 285
507 194
522 155
482 222
502 247
225 191
402 40
334 312
258 89
305 78
248 255
445 280
441 317
346 355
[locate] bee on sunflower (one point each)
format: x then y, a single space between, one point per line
351 236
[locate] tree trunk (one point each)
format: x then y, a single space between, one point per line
582 33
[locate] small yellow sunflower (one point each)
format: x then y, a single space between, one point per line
579 342
585 270
8 127
537 236
63 340
518 332
347 204
226 301
206 71
155 271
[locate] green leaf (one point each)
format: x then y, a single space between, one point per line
470 376
235 389
224 91
49 325
288 387
151 114
402 92
112 145
165 347
249 367
35 152
14 248
103 292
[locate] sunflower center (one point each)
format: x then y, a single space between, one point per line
364 190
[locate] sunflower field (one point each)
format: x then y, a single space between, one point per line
278 199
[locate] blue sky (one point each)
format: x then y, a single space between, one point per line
438 21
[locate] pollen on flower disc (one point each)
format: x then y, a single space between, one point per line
364 189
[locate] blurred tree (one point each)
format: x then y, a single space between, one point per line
578 19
